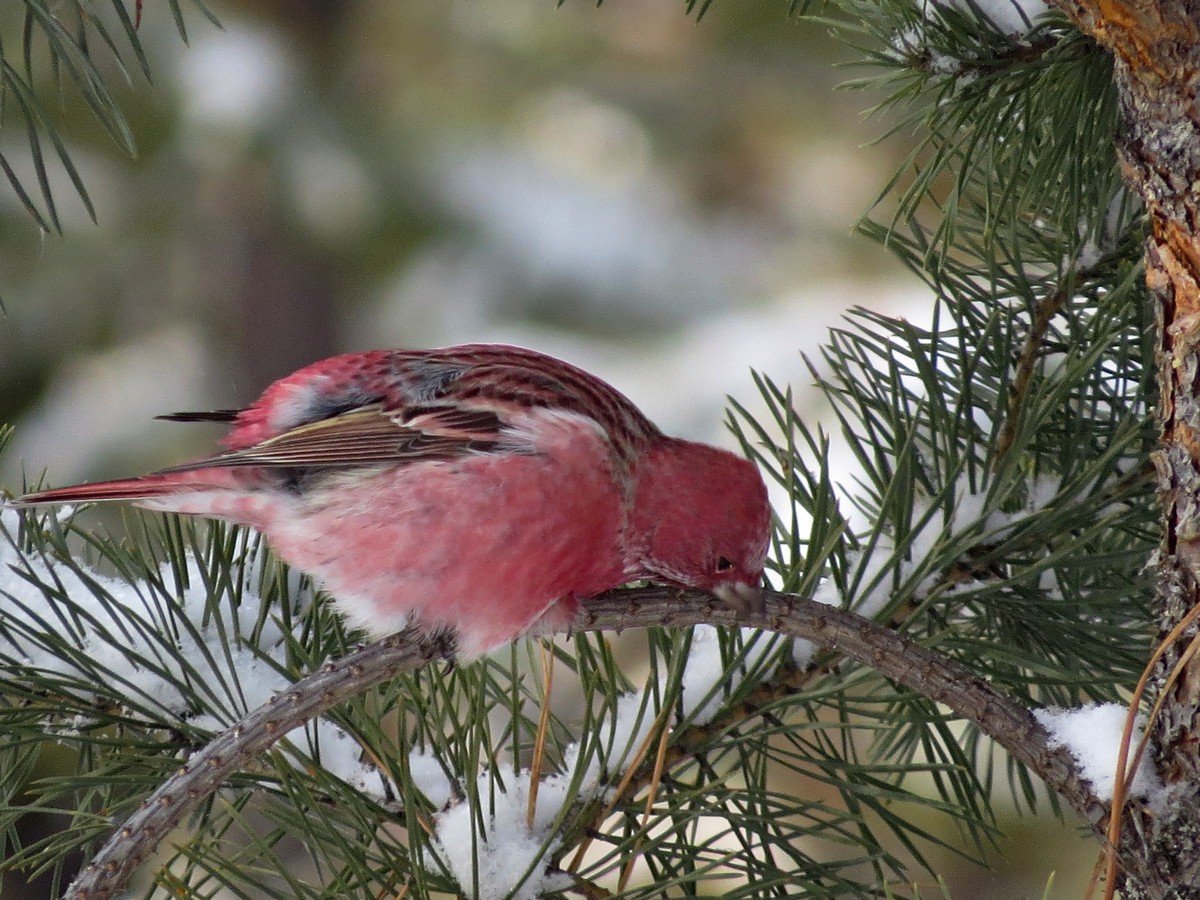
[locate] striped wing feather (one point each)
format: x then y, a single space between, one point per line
384 407
371 435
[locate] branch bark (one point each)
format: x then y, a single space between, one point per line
1039 324
892 655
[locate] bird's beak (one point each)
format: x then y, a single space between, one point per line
742 598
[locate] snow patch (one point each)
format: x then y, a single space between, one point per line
705 669
235 79
429 777
493 863
339 754
1092 735
1013 18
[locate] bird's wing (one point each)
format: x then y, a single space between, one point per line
369 435
501 377
395 406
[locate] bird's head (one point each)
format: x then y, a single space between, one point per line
700 518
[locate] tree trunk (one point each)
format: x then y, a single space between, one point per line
1156 50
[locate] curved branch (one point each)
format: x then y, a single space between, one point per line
896 657
233 749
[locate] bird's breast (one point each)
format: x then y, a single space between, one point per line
485 542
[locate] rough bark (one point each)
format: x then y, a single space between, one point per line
1156 51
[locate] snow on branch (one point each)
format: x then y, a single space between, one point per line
508 855
1092 735
1010 17
923 40
908 663
168 658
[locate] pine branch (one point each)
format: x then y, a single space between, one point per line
1022 53
1045 311
689 742
588 889
892 655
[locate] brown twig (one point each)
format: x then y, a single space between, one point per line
589 890
233 749
1043 314
686 743
896 657
1015 53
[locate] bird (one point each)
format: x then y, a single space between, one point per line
483 489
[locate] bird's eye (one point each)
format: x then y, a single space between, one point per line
723 564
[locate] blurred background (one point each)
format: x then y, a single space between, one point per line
664 202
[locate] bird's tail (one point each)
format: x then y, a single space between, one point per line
142 488
216 493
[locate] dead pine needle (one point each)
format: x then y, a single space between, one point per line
539 744
651 797
1124 765
630 771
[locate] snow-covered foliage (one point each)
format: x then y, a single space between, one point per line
924 37
161 643
1010 17
504 854
179 655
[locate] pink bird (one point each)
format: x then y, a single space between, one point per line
483 488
